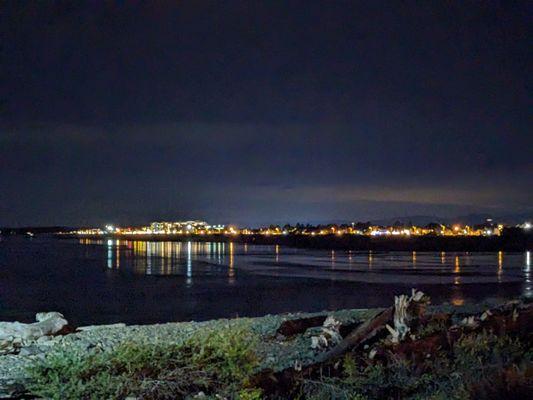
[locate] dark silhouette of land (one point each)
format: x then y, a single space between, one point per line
511 239
38 230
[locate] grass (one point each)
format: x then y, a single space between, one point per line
214 362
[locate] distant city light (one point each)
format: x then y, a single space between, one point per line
195 227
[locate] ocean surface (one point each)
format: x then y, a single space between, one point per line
108 281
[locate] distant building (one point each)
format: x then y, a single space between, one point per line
180 227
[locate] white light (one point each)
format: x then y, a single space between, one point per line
527 225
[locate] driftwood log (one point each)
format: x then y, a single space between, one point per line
405 310
363 332
403 322
293 327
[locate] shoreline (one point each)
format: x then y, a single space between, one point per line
523 242
105 338
279 350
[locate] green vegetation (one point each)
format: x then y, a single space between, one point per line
478 366
213 362
232 361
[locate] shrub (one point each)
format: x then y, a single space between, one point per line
480 365
213 362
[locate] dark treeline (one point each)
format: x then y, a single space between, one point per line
40 230
511 239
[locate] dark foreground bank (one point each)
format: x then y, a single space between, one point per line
468 352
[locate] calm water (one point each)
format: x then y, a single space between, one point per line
146 282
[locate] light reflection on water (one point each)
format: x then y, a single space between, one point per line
528 290
167 258
193 258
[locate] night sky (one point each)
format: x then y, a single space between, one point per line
257 112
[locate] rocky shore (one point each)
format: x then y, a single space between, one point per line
19 355
276 352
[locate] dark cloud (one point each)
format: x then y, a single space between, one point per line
250 112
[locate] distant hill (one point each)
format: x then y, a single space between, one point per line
469 219
419 220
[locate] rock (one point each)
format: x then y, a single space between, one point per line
97 327
46 340
47 324
11 389
31 350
